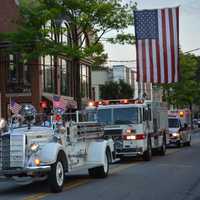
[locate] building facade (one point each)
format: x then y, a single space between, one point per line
39 80
116 73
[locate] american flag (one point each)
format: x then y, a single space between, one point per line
14 107
157 45
58 102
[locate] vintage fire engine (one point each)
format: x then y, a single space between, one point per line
179 127
29 152
137 127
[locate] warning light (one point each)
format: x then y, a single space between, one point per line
58 118
100 102
181 114
125 101
91 103
43 104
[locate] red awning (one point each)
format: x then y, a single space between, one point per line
70 102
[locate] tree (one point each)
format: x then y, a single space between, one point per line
86 21
186 92
116 90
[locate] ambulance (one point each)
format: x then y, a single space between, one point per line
179 127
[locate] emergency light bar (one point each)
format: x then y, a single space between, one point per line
115 101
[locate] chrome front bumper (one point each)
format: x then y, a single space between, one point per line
25 171
130 152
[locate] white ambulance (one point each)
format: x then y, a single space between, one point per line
179 127
137 127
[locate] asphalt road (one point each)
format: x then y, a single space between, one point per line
175 176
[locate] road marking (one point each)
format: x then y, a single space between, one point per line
123 167
176 165
36 196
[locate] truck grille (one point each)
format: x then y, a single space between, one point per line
12 154
113 132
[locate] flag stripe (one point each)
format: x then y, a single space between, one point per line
168 39
144 61
140 60
165 53
147 41
138 65
159 62
151 61
178 66
175 44
172 44
160 49
155 65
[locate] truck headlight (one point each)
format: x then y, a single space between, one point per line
2 123
175 134
34 147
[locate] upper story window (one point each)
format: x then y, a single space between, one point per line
65 36
58 31
18 76
47 63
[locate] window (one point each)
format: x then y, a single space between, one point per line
125 115
84 81
48 74
104 116
65 34
18 76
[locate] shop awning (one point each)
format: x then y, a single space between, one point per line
70 102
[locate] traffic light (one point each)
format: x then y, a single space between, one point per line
181 114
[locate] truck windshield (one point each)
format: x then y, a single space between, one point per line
118 116
91 115
173 123
104 116
125 115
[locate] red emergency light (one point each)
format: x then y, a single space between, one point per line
115 101
43 104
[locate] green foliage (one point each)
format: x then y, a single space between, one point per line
187 91
87 21
116 90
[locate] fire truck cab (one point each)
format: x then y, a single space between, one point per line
137 127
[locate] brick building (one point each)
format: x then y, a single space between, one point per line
42 78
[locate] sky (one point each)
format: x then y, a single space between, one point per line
189 29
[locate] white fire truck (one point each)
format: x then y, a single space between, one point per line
30 153
137 127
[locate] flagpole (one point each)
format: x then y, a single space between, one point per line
11 120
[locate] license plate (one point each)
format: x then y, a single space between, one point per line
128 143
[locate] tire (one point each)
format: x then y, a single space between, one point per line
147 156
56 176
162 150
102 171
188 144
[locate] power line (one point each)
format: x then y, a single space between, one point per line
134 61
121 61
192 50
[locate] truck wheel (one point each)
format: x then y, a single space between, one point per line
147 156
102 171
188 143
179 144
56 176
163 148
